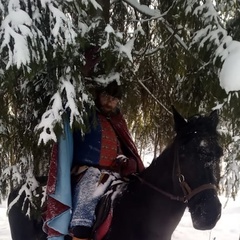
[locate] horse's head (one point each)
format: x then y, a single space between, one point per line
197 156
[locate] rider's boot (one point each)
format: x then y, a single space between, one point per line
74 238
81 233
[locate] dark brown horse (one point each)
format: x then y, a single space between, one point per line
186 174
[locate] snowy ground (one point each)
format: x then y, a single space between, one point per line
4 227
228 227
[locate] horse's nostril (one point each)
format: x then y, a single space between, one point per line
199 211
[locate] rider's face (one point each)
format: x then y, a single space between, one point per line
108 103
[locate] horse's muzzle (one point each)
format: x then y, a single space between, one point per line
206 213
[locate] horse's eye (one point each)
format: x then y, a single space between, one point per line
203 143
209 164
204 150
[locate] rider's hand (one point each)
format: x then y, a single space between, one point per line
126 165
121 159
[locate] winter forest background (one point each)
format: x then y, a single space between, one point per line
53 53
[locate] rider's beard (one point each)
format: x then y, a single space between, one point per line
107 109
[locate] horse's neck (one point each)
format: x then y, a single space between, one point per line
160 172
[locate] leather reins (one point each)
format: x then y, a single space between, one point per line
188 193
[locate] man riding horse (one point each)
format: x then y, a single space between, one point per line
148 206
106 152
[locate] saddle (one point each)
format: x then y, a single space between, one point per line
104 210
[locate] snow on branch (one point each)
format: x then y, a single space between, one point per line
71 103
22 35
62 29
93 2
230 179
105 80
144 9
13 173
230 73
127 48
115 38
28 190
15 27
17 174
49 119
64 101
1 6
213 35
213 30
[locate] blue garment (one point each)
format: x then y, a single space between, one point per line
63 185
87 148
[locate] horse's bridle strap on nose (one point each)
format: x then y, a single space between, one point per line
188 192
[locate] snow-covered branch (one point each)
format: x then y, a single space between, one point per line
16 30
30 191
144 9
123 49
213 30
23 36
64 101
214 35
230 181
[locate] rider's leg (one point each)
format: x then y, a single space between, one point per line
85 199
86 195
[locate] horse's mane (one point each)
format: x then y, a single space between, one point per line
196 125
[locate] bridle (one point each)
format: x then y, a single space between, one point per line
188 193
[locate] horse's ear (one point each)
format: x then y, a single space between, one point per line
179 121
214 118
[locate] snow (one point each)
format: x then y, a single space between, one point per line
21 51
4 226
227 228
144 8
108 79
230 72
